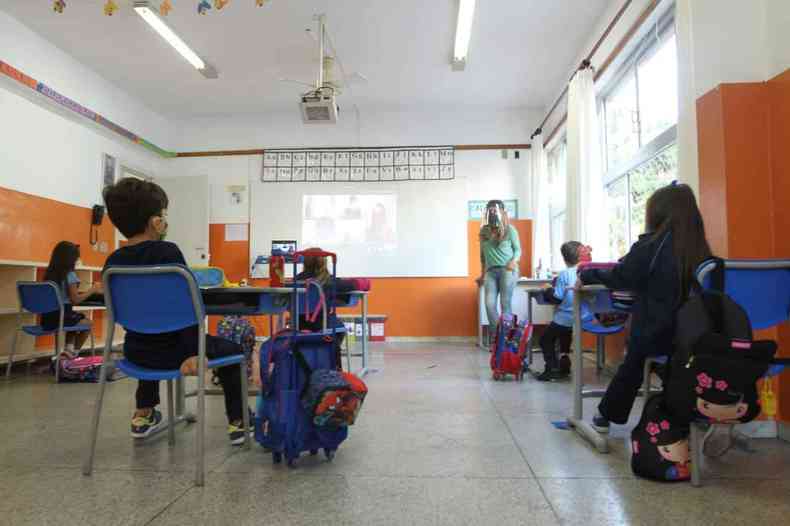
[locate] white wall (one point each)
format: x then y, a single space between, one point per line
778 17
488 175
48 154
724 41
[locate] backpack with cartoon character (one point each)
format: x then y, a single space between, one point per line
660 444
716 364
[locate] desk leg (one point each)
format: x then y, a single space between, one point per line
531 342
577 421
364 369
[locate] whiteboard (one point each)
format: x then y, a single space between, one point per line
430 228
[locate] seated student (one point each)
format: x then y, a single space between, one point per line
139 210
315 268
64 259
561 328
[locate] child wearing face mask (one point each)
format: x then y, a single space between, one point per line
139 210
65 258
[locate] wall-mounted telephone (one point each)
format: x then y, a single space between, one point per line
97 216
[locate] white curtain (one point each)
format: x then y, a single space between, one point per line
586 213
539 174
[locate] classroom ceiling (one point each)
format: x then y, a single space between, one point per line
520 52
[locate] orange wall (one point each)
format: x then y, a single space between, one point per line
31 226
744 133
414 306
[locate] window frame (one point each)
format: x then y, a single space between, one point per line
647 48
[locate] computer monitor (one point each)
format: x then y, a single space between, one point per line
283 247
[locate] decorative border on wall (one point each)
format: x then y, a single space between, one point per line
359 165
75 107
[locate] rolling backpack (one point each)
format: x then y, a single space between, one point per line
509 351
716 364
660 444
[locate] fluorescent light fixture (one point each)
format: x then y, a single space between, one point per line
463 33
149 15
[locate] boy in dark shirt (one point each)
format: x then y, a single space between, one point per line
139 210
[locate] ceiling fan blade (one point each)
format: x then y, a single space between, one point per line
300 82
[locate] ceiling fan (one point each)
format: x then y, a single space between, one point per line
328 77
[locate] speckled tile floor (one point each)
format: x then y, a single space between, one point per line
438 442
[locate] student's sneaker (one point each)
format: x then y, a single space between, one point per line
143 426
565 365
600 424
236 431
548 375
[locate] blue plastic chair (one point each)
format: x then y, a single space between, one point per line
762 288
38 298
177 304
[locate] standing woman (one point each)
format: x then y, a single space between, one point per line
500 250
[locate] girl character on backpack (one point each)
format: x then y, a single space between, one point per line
665 449
315 268
660 270
718 402
62 263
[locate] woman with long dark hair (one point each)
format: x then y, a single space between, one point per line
62 263
660 269
500 250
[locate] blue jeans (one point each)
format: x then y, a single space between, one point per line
499 281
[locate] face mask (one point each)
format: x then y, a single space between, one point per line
163 232
493 217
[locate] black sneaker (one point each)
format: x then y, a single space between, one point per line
143 426
600 424
547 376
565 365
236 431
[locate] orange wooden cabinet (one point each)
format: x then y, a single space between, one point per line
744 176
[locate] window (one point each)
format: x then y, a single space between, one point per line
639 121
557 164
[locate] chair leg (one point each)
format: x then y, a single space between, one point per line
93 343
245 412
201 425
11 356
646 381
87 466
695 444
171 415
600 352
59 337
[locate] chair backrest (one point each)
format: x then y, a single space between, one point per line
153 299
39 297
761 287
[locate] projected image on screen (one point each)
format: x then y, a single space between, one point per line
366 222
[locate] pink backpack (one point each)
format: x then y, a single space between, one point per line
82 368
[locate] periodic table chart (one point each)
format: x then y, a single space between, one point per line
425 163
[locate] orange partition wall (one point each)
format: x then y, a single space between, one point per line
417 307
30 226
744 189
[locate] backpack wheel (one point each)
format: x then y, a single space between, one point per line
330 454
292 463
277 458
313 452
